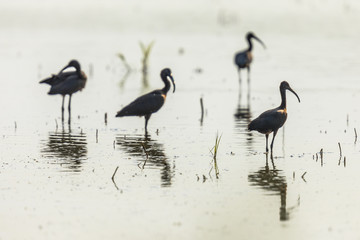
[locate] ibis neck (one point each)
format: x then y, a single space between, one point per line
250 44
283 98
78 72
167 85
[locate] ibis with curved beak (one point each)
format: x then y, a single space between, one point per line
244 58
271 120
149 103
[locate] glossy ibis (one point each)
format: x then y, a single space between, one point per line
271 120
244 58
149 103
67 83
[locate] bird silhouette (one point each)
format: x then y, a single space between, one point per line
67 83
271 120
149 103
244 58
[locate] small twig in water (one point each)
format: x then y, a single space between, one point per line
105 118
214 153
340 149
355 135
56 124
112 178
302 176
321 154
204 178
321 157
97 133
202 110
344 161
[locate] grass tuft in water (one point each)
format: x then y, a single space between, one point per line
123 60
146 53
128 69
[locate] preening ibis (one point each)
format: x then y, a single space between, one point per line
149 103
271 120
67 83
244 58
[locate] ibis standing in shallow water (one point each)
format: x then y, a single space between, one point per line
244 58
149 103
67 83
271 120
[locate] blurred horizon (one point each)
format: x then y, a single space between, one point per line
195 17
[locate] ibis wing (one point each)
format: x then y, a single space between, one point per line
268 121
144 105
69 85
57 79
53 80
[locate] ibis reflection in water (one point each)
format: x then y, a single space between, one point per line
271 120
65 148
271 179
153 158
67 83
244 58
242 118
149 103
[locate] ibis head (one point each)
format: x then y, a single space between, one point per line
73 63
165 74
251 35
285 85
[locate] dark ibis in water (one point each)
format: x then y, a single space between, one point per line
149 103
244 58
271 120
67 83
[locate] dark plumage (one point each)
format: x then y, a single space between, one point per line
271 120
244 58
66 83
149 103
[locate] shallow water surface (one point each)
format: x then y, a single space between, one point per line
91 179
